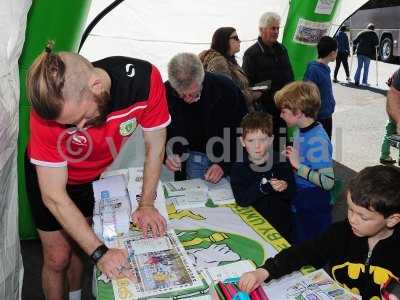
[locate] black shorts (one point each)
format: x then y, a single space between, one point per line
81 195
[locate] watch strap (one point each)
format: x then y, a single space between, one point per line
98 253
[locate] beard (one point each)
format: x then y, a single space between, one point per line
102 102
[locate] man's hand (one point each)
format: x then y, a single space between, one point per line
214 173
148 216
293 155
278 185
249 281
173 163
114 264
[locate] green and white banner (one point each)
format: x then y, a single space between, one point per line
214 236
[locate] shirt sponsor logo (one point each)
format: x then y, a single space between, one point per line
79 140
128 127
130 70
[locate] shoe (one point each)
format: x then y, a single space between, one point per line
356 83
348 79
335 80
387 161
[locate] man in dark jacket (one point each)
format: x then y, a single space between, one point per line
268 60
342 54
206 110
365 46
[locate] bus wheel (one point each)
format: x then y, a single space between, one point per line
386 49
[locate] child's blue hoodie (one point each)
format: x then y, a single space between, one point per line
320 74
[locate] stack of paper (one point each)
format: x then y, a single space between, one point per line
135 184
196 192
317 285
221 192
111 216
230 271
160 267
187 193
183 187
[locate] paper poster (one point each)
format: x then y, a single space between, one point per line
317 285
160 266
325 7
309 33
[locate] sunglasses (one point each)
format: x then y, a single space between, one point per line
235 37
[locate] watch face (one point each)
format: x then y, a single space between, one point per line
98 253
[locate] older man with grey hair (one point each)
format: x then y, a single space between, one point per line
268 60
206 110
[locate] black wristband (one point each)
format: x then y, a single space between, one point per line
98 253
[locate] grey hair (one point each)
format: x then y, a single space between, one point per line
268 18
184 69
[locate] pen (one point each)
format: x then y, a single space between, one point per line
254 295
232 280
262 293
219 292
230 289
224 291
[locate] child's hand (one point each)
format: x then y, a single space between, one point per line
249 281
173 163
293 155
214 173
278 185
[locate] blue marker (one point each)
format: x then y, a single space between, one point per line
232 280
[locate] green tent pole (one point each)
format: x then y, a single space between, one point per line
61 21
307 21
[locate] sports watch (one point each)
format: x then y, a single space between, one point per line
98 253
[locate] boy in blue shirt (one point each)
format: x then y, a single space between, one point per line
310 157
319 73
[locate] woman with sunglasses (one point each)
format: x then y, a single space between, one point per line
220 59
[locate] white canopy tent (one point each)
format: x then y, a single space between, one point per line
12 34
155 31
151 30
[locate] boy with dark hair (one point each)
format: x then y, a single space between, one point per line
310 157
360 253
319 73
260 178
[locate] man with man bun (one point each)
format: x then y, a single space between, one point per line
82 113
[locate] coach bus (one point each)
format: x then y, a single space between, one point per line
385 15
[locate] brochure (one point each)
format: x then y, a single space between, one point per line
195 193
112 208
317 285
135 184
160 266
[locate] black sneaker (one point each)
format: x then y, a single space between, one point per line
387 161
335 80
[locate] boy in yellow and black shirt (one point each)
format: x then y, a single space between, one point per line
360 253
